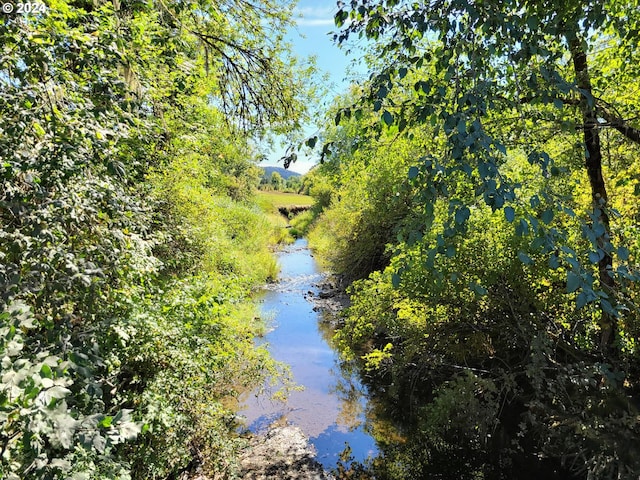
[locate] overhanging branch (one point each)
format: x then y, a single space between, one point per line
617 122
603 110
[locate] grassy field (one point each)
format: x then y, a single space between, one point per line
269 202
281 199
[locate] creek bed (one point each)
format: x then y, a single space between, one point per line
329 410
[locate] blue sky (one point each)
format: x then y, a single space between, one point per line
311 37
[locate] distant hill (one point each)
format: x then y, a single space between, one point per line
283 172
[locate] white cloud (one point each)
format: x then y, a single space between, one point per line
325 11
315 22
315 16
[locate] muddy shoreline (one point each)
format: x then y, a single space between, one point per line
283 452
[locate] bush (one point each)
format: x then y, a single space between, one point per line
490 362
366 213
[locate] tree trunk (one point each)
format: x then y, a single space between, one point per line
599 197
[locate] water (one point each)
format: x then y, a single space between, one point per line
330 409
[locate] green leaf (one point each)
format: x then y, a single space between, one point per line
623 253
340 18
413 172
573 282
581 300
38 129
547 216
510 214
311 142
608 308
522 228
402 72
395 280
524 258
387 117
462 215
479 289
45 371
462 127
106 422
534 201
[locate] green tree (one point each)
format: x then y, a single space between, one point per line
294 183
522 59
89 92
276 181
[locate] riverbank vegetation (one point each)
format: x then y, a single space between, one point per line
481 193
130 239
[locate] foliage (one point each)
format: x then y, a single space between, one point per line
276 181
294 184
301 223
367 211
534 383
528 62
202 334
44 411
203 194
500 330
126 283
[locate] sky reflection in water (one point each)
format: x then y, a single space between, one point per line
330 408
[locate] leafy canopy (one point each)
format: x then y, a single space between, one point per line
499 75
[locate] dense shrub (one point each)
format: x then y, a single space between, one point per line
129 242
463 320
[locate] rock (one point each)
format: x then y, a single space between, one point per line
282 453
330 300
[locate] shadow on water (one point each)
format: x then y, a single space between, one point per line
330 409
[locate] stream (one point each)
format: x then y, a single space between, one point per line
330 407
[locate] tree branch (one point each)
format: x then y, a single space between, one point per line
619 124
603 110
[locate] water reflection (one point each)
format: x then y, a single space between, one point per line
388 429
330 409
